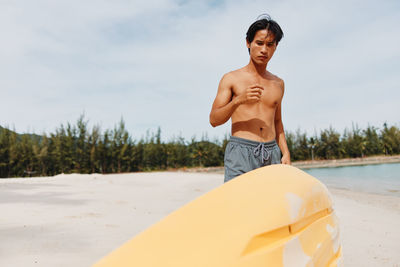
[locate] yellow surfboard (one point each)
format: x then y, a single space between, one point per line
273 216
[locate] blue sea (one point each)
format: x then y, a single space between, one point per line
378 179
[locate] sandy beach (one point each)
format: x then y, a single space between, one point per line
75 220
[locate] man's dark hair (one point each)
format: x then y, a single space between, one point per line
264 22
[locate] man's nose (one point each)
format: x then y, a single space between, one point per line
264 49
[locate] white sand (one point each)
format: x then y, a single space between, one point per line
74 220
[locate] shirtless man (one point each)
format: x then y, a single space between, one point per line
251 97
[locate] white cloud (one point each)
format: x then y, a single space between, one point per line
158 63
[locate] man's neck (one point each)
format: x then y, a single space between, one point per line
256 68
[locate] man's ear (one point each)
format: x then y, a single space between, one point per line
247 44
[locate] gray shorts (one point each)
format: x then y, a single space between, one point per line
243 155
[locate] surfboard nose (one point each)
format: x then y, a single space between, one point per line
277 215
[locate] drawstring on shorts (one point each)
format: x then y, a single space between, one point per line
260 149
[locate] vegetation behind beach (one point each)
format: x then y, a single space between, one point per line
78 149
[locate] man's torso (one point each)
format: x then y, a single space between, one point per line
255 121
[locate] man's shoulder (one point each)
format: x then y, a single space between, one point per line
275 78
234 74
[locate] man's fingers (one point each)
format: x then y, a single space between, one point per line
255 94
256 90
254 97
257 86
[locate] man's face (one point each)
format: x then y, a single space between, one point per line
262 47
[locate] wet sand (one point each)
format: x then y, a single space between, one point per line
74 220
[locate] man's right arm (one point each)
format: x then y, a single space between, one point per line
223 106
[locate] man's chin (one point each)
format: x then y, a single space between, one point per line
261 62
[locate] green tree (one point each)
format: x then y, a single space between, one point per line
290 141
93 143
14 155
40 150
26 156
177 153
390 137
205 153
121 148
154 156
373 145
354 142
82 151
329 145
105 153
60 150
5 136
301 149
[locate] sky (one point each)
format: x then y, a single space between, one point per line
158 63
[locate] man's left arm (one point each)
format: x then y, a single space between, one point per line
280 133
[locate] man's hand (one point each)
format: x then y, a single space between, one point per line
251 95
286 159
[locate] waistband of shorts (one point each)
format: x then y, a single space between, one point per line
252 143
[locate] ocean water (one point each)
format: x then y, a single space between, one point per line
379 178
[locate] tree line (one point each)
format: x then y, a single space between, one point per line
78 149
353 143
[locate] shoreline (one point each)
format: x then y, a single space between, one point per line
312 164
306 164
328 163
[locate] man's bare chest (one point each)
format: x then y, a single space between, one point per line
271 93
